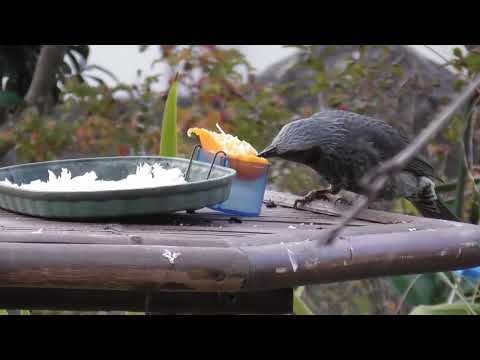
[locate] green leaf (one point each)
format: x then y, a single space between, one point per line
457 308
10 98
299 307
75 64
475 213
83 50
427 290
397 70
459 84
3 312
458 52
103 70
443 188
98 80
25 312
65 69
457 292
168 140
473 62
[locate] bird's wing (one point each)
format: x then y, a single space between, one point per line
388 142
421 167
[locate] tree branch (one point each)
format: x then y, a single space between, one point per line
374 180
467 145
44 77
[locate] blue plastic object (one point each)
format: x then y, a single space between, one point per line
246 196
472 273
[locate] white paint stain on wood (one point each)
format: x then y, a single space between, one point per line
171 256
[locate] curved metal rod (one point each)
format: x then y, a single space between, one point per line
213 162
187 174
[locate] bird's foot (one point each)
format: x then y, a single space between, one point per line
313 195
270 204
343 201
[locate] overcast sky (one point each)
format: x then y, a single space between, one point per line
125 60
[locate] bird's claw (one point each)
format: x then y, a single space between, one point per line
311 196
299 202
270 204
342 201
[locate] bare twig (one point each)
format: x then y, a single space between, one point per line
468 143
437 53
449 62
475 292
453 291
375 179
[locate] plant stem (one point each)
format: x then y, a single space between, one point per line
407 291
459 294
476 292
459 193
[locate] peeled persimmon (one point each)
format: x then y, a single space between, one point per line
241 155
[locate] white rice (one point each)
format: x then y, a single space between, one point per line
146 176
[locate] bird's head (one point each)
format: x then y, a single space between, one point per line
290 139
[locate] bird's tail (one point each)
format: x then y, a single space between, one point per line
435 209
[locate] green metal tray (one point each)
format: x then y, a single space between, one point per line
196 194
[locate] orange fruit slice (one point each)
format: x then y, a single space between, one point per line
241 155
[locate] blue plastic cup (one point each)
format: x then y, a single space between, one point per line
472 273
248 187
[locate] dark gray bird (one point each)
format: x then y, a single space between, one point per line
343 146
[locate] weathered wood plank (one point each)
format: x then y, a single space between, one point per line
363 256
122 267
201 219
329 208
296 261
150 239
217 254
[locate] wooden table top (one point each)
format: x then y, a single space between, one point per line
210 252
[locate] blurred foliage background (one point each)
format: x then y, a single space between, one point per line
219 85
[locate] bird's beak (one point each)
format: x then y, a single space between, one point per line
269 151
